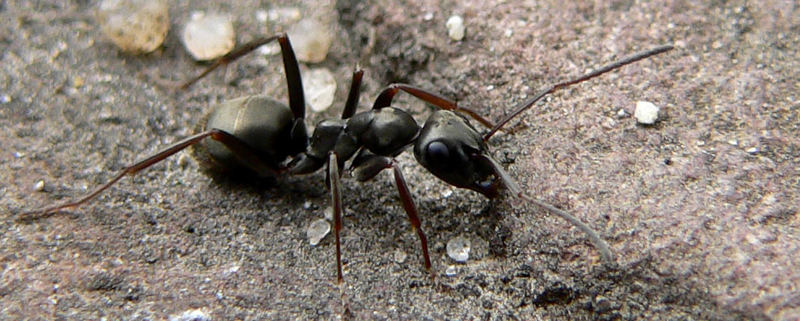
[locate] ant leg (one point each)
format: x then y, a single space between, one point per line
552 88
369 168
386 96
516 191
240 149
334 182
353 95
297 100
290 66
230 57
411 210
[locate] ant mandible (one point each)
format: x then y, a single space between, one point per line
262 135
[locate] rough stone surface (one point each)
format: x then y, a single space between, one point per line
703 229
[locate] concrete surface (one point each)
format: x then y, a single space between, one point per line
700 209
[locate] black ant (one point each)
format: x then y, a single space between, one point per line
261 135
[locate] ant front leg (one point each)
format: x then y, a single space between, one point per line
387 95
369 166
239 148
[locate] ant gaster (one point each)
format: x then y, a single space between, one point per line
262 135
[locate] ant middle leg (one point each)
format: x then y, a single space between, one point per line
368 167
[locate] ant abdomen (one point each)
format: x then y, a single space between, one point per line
264 124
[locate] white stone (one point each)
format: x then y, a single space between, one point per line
317 231
208 36
458 249
447 193
319 86
451 271
192 315
311 40
261 15
284 16
455 28
646 112
400 256
39 186
135 26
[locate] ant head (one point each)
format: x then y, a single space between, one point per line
452 150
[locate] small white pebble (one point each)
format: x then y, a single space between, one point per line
400 256
319 86
455 28
508 33
284 15
451 271
38 186
261 15
208 36
608 123
447 193
753 150
5 99
270 49
192 315
428 16
311 40
622 113
135 26
733 142
231 270
646 112
458 249
317 231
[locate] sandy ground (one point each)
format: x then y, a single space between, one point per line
700 209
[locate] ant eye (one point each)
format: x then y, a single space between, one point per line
437 151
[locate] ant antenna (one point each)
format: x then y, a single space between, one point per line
549 90
515 190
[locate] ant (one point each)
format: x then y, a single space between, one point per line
261 135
